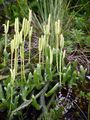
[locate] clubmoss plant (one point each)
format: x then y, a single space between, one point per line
22 60
30 36
47 52
6 29
25 27
17 41
63 58
12 84
12 52
16 52
51 57
40 49
57 33
16 25
43 47
46 29
25 30
61 53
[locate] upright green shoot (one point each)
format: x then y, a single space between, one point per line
61 53
6 29
57 33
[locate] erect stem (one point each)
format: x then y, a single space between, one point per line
60 65
16 61
39 57
5 48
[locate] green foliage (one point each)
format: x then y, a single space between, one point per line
17 8
82 6
78 36
1 1
50 73
37 77
52 115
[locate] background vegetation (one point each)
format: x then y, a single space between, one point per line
44 59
